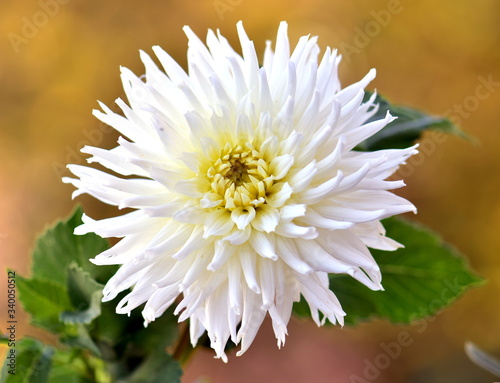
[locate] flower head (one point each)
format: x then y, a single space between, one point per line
246 188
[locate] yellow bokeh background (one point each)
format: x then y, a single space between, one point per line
58 57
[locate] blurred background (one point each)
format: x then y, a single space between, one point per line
57 57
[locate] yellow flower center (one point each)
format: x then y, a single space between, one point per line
237 172
239 178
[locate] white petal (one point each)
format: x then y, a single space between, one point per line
223 250
118 227
279 194
248 261
253 316
315 219
291 230
280 166
269 148
196 241
267 283
266 219
302 179
311 196
264 245
243 216
282 52
291 211
211 200
319 259
218 223
320 297
234 285
238 237
288 252
115 159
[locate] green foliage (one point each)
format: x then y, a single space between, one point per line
44 299
85 295
58 247
406 129
32 363
159 367
63 296
78 336
67 367
419 280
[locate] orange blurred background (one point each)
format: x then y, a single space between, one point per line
57 57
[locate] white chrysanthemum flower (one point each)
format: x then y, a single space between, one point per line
246 187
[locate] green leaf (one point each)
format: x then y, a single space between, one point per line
124 338
44 300
419 280
118 329
406 129
77 336
58 247
85 295
158 335
113 328
159 367
68 368
32 363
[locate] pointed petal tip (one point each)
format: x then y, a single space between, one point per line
80 230
158 50
222 356
95 261
187 30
